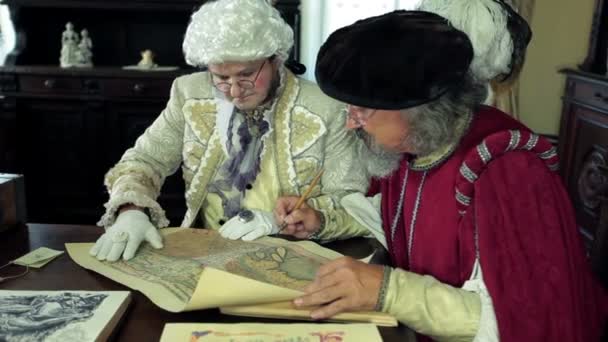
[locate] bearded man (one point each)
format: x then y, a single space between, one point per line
480 230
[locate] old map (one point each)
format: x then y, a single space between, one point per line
179 264
198 268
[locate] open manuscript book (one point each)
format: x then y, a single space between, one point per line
198 269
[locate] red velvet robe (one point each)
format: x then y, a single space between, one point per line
530 252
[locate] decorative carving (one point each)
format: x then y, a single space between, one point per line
593 178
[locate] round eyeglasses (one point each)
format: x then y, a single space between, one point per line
243 84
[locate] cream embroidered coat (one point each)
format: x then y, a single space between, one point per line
309 134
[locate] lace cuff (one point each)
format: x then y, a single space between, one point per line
155 212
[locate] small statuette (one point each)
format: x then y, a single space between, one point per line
147 60
245 215
69 47
85 56
147 63
75 49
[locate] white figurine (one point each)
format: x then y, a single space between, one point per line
84 53
69 47
147 60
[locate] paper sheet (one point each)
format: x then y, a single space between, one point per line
60 316
195 332
198 269
286 310
38 257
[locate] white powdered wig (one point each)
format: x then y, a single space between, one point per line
236 31
485 22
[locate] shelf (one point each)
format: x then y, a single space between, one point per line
92 72
174 5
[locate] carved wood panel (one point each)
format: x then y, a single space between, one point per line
583 146
593 179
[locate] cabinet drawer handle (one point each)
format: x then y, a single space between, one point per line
600 97
139 88
50 84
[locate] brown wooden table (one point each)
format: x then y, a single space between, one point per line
144 321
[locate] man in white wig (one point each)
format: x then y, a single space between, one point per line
245 132
480 230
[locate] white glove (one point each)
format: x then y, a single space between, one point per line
125 235
262 223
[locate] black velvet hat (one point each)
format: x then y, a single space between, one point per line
397 60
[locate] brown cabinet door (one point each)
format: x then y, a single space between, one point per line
584 159
9 144
62 142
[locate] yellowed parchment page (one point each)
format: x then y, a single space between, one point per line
198 269
286 310
269 332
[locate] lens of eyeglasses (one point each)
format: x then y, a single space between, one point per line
243 84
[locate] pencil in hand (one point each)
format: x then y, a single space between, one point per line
304 197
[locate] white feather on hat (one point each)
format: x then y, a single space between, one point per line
485 23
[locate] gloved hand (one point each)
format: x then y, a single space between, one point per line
262 223
125 235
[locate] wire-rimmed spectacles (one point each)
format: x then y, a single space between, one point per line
243 83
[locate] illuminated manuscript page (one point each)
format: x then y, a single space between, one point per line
195 332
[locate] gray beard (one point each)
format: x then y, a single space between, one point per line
378 161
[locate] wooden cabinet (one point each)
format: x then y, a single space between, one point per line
64 128
63 144
8 136
583 148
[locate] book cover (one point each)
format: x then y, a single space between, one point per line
66 316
